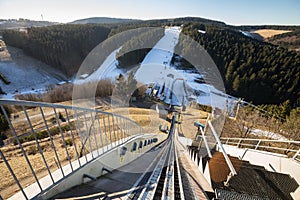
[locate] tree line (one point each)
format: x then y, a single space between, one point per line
61 46
134 50
260 72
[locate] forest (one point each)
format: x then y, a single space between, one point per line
259 72
134 50
61 46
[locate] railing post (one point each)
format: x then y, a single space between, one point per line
296 154
88 134
13 174
38 144
51 139
101 134
63 138
238 144
21 146
105 134
114 131
82 150
229 163
205 142
72 135
257 145
110 137
93 119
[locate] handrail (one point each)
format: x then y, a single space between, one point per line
229 163
50 105
258 143
82 136
262 140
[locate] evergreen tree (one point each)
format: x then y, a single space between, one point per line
125 87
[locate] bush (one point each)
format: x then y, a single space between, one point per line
29 138
65 92
59 93
65 128
32 150
29 97
69 142
42 134
3 123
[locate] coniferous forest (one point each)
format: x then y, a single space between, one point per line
135 50
259 72
61 46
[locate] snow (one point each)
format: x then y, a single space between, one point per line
156 68
201 31
27 75
83 76
62 83
107 70
247 34
268 134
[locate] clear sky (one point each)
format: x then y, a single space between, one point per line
230 11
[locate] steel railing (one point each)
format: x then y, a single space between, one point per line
290 148
47 142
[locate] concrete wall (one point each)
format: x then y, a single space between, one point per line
111 160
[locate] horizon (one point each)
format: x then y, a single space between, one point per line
262 24
230 12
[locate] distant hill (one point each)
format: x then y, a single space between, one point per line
103 20
22 23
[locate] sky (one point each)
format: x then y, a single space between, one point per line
234 12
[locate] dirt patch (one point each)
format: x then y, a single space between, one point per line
188 118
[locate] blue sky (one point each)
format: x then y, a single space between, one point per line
234 12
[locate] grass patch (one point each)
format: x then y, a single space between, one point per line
44 134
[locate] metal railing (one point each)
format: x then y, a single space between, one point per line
211 141
289 147
47 142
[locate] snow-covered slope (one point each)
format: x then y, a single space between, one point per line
26 74
108 69
156 68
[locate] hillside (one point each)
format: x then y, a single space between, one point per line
259 72
289 40
103 20
284 36
62 46
25 74
254 70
